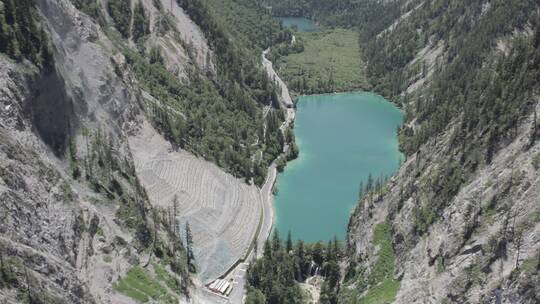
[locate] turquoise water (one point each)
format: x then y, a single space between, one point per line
303 24
342 138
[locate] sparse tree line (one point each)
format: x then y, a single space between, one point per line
344 13
286 48
487 95
169 249
183 233
90 7
14 274
303 85
98 161
131 23
101 165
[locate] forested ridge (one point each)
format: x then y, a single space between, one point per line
249 23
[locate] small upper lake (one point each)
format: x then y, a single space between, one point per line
342 139
301 23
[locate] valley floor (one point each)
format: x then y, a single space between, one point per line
329 62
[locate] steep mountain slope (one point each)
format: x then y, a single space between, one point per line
80 78
74 218
462 213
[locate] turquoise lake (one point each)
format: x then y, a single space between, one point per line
303 24
342 139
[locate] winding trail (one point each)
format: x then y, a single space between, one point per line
266 189
286 99
238 274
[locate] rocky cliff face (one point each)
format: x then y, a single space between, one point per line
78 79
483 248
462 213
74 216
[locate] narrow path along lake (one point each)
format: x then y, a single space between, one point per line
342 139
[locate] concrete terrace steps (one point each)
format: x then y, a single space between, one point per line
223 211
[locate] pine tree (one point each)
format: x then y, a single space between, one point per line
28 286
360 191
155 55
369 184
276 241
189 247
2 266
336 248
301 256
175 206
120 12
267 250
317 253
255 296
328 252
289 242
536 42
534 131
141 25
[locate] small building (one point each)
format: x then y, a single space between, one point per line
220 286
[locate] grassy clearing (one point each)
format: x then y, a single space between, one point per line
140 286
330 62
536 216
165 277
536 161
383 293
383 287
529 265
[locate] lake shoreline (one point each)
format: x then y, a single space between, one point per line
325 177
266 223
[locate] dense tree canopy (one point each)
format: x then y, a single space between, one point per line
21 35
120 12
274 277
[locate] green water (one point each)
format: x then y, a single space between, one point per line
303 24
342 138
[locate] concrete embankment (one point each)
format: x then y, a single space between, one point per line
266 190
238 273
